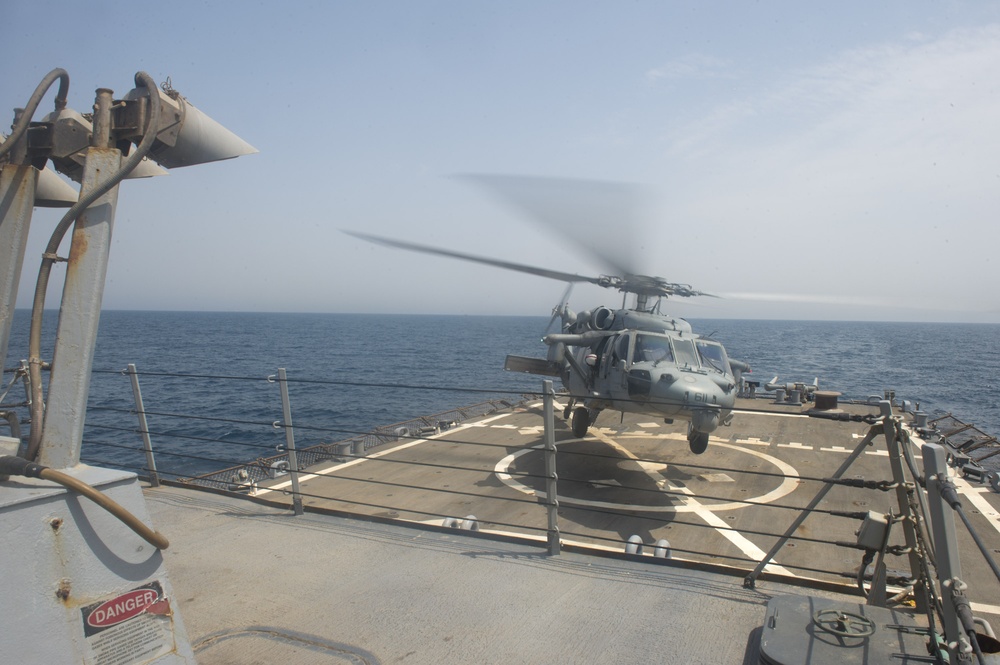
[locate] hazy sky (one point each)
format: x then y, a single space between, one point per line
839 153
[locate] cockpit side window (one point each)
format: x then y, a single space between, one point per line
713 356
621 348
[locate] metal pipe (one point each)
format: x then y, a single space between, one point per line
17 152
293 462
551 478
101 138
147 444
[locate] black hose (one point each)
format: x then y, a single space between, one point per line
865 562
13 422
36 97
17 466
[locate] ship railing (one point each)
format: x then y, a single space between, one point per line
265 468
260 447
532 516
968 447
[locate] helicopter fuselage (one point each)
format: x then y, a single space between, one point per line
643 362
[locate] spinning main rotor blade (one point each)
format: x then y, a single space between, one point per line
507 265
810 299
606 219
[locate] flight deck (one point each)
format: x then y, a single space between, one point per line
631 485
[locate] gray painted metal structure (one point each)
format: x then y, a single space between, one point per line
17 197
140 409
94 594
293 462
79 316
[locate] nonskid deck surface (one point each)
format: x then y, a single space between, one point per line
256 584
636 477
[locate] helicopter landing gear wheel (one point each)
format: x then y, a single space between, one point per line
568 410
581 422
698 442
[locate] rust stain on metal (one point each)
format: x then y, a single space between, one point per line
78 247
62 593
56 523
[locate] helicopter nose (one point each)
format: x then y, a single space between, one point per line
709 401
705 420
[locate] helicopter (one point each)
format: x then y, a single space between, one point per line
633 359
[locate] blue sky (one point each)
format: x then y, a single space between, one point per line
837 161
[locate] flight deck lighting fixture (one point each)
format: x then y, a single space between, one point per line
121 138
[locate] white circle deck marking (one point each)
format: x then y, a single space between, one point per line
787 486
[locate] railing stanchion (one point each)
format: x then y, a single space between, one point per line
551 492
949 566
147 444
750 581
293 465
893 446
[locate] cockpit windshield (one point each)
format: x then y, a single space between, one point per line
685 353
713 356
652 348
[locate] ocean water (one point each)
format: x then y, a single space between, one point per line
351 372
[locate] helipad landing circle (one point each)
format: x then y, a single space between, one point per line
786 487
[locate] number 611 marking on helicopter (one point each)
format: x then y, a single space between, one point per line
635 360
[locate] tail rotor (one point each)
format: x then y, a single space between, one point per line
561 310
